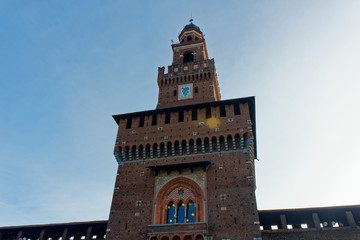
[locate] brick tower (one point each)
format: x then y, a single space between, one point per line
186 169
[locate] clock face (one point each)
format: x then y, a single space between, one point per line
185 91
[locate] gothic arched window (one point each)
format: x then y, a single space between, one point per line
181 217
171 213
190 212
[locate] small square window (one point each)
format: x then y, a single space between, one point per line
138 203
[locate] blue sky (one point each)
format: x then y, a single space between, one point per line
67 66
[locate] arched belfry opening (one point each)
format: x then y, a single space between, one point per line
188 57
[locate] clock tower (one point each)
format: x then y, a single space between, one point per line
186 169
192 76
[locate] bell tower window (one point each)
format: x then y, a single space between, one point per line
189 38
188 57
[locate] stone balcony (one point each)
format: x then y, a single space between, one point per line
169 229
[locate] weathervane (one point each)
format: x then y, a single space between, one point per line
191 19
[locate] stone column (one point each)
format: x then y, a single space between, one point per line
158 151
88 233
226 145
210 146
203 147
316 220
137 154
234 143
20 235
151 152
65 235
195 147
283 222
187 149
165 151
350 218
42 234
218 145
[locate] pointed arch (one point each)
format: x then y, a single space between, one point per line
162 204
190 214
181 212
171 213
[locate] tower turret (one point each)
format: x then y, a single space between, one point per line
192 76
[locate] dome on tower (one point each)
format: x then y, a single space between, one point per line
191 25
